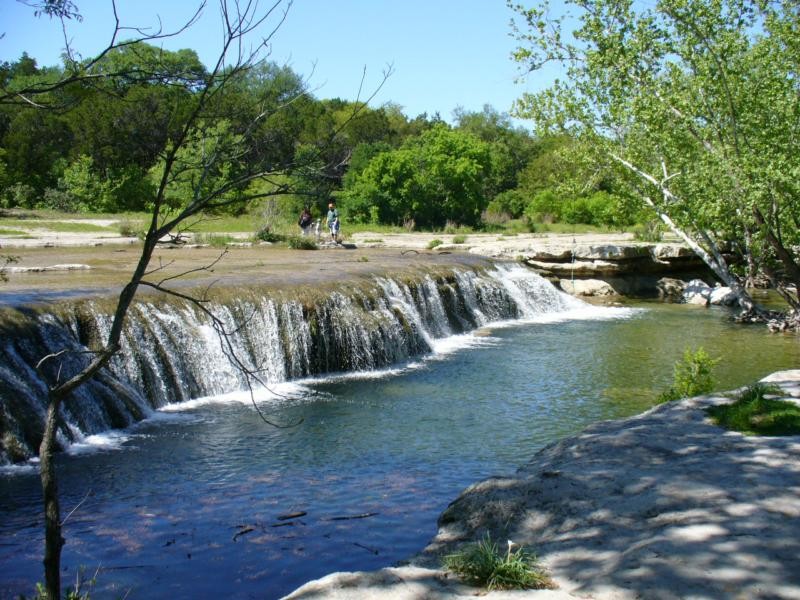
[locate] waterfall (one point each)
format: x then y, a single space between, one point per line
171 351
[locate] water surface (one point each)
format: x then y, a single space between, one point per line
197 502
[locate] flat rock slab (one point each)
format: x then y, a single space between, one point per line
664 505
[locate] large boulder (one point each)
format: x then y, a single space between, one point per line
722 295
587 287
670 290
697 291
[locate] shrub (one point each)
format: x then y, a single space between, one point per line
754 413
19 195
60 200
459 239
128 228
265 234
652 231
692 376
545 207
511 202
298 242
482 564
433 243
215 240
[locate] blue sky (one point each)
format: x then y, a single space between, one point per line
444 53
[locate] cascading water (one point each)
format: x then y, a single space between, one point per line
172 352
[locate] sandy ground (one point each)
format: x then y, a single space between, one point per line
663 505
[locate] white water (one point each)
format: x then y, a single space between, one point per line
174 357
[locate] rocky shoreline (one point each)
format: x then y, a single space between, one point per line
662 505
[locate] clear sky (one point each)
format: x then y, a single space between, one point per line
444 53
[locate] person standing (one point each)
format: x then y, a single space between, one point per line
305 221
333 221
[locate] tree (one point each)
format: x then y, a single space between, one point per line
435 177
696 103
198 170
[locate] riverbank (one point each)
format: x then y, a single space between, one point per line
661 505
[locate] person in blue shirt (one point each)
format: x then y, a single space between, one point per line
333 221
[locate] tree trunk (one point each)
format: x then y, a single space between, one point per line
53 541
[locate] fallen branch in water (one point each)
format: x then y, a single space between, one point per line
348 517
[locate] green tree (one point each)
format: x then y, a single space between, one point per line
435 177
696 104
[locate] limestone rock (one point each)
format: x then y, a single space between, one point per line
587 287
670 290
723 296
697 292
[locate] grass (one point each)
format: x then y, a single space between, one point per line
459 239
483 565
754 413
216 240
58 226
298 242
433 243
13 233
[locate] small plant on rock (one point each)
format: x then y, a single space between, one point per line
483 565
692 376
297 242
433 243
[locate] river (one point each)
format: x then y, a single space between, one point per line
206 500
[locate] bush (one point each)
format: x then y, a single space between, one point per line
19 195
652 231
128 228
482 564
510 202
59 200
544 207
265 234
298 242
754 413
692 376
459 239
433 243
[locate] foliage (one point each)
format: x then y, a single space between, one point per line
511 202
483 565
6 260
436 177
459 239
652 231
299 242
434 243
690 105
754 413
692 375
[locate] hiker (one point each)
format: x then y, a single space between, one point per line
333 221
305 221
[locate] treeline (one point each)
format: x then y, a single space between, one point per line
96 145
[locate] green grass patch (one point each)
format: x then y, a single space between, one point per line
483 565
373 241
57 226
14 233
755 414
433 243
459 239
